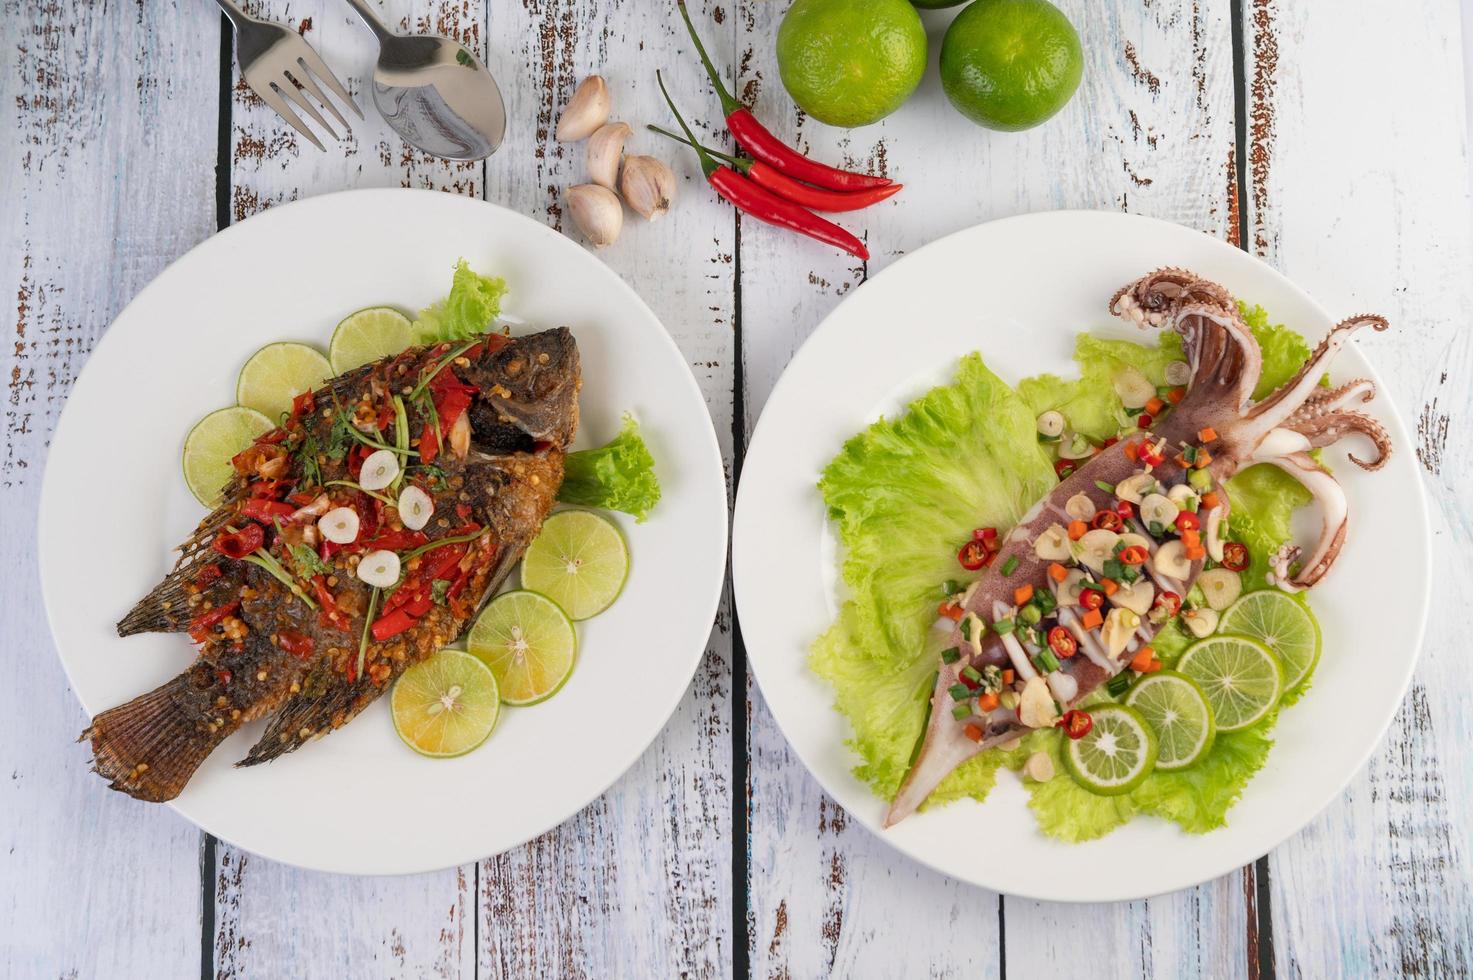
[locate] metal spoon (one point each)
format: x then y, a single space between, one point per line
435 93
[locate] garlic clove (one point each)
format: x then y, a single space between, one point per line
1158 509
586 111
1095 548
1171 561
605 150
379 568
597 213
1080 507
648 185
1221 586
339 525
1201 622
1053 544
415 507
379 470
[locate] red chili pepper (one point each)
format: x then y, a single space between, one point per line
1125 510
1234 556
331 615
200 626
303 403
269 489
768 148
451 397
397 541
240 543
1167 604
370 516
1144 421
1076 724
1107 520
429 446
761 203
1109 442
294 643
271 438
356 456
1062 642
1133 555
1187 521
265 510
207 576
1065 468
400 619
973 555
462 511
987 534
1091 598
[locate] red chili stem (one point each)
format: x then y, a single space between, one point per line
766 147
816 198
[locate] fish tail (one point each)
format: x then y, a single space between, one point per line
151 746
166 609
301 720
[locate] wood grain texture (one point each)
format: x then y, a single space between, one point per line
639 883
1361 197
1151 132
91 883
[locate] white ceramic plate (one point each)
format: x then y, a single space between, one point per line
1019 290
114 504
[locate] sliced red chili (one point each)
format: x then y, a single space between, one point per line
265 511
1107 520
1234 556
240 543
200 626
1167 604
1065 468
1091 598
330 615
1062 642
1133 555
1144 421
429 446
1077 724
294 643
269 489
1125 510
392 624
207 576
397 541
973 555
303 403
1187 521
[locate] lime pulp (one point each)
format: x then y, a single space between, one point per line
276 374
1177 711
1116 755
579 560
528 643
1283 625
368 335
213 443
1241 678
446 705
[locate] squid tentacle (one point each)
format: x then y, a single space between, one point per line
1334 520
1327 428
1334 399
1276 409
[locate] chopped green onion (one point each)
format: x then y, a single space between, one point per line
372 493
1030 614
1118 684
1045 601
1114 568
961 712
1189 453
1156 529
949 588
966 628
1200 480
1131 573
401 438
960 692
1192 503
1002 626
363 640
992 677
265 559
971 674
950 655
1107 487
1009 566
1046 661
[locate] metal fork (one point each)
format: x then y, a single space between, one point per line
276 62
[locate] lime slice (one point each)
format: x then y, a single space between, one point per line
1283 625
278 373
529 644
367 336
1116 756
579 561
1241 678
212 443
446 705
1178 712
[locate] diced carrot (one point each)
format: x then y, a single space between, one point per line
1175 395
1142 659
1181 460
1008 676
1092 619
1022 594
1111 586
1197 553
987 702
951 611
1203 458
1154 406
1153 666
973 732
1210 499
1077 530
1208 434
1058 572
1132 451
1191 537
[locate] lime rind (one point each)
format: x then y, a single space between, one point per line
368 335
277 373
1284 625
213 443
579 560
446 706
1178 712
1242 679
1118 753
528 642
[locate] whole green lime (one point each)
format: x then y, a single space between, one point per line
1010 64
851 62
936 4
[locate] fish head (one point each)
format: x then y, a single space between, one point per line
528 393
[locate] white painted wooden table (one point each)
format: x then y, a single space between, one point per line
1327 136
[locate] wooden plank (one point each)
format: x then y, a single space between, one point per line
638 884
1150 132
1360 194
420 925
91 882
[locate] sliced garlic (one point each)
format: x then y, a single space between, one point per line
1120 625
1036 706
1178 373
1039 767
1080 507
1137 596
1095 548
1171 561
1052 544
1202 622
379 470
1221 586
1182 494
586 111
1068 591
1135 487
415 507
1129 539
1215 531
1075 446
1157 509
379 568
1134 388
339 525
1051 425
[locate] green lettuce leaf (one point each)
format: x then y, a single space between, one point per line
617 476
471 308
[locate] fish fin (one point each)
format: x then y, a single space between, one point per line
166 609
151 746
945 747
303 718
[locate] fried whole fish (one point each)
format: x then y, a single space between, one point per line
286 628
1088 576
